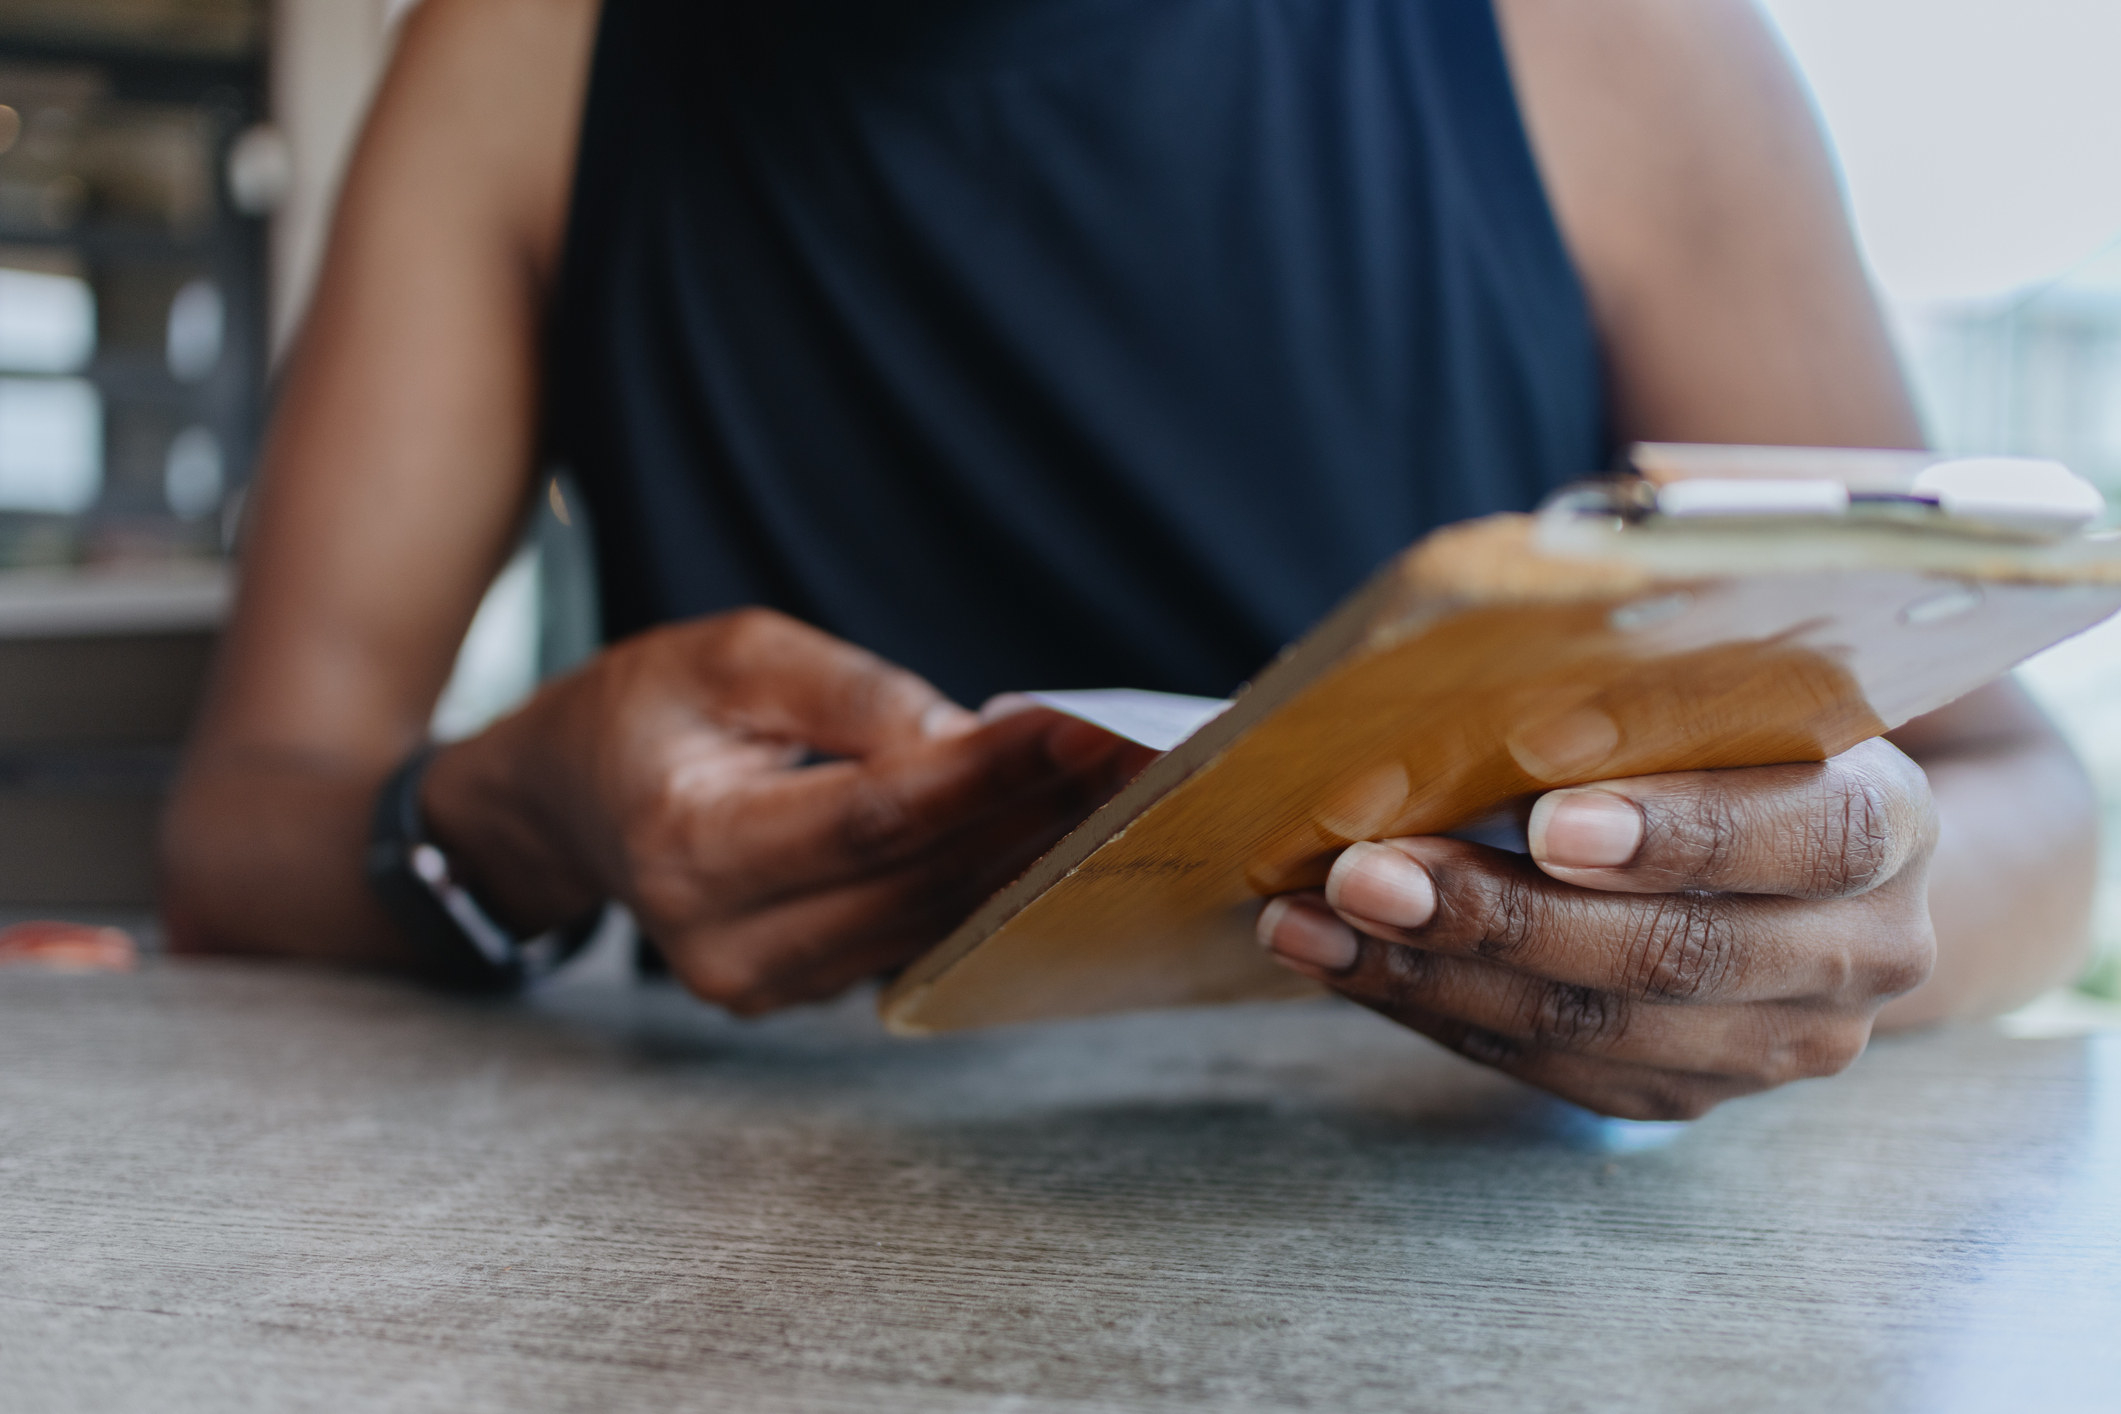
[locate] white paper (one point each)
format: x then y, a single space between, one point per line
1157 720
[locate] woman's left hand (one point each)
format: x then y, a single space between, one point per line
1671 942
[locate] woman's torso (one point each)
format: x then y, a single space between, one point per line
1054 343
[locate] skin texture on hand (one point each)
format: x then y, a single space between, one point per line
676 773
1670 942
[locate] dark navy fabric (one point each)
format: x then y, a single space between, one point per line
1054 343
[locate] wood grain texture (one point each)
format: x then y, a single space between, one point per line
246 1188
1476 672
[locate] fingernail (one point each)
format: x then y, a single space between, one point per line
1308 936
947 719
1585 829
1377 881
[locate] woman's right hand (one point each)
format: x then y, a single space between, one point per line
670 773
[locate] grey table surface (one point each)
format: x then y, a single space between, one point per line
227 1187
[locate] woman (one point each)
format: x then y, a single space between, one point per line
1069 343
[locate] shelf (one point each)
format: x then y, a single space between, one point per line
84 603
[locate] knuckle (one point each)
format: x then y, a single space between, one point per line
1684 951
867 689
1818 1052
748 631
1699 833
1879 954
730 979
1904 973
1833 1049
1815 1048
1488 1048
666 808
1405 975
1508 917
873 822
1905 963
744 644
1672 1099
655 834
868 693
1571 1018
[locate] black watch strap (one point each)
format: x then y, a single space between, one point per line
459 945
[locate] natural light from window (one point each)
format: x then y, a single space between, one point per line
1978 139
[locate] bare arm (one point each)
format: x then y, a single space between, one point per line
1692 185
1688 173
2017 857
392 481
666 773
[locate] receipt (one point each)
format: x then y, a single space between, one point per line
1158 720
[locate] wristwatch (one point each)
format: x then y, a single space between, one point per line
459 944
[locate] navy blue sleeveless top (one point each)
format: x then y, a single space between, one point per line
1054 343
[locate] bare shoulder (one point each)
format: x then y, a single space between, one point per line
1696 191
481 106
1716 60
496 48
1643 108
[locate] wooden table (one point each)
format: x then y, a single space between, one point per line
232 1188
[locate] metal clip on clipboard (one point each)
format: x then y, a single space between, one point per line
2013 497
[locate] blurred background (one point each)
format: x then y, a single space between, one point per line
1980 142
138 169
167 169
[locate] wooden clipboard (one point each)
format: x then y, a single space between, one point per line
1491 662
